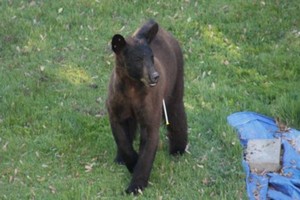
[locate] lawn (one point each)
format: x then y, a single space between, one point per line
55 62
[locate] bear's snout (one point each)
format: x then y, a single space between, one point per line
154 78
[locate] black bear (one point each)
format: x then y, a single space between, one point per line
148 70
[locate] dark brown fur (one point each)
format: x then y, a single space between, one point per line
149 68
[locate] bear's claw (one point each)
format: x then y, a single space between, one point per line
135 189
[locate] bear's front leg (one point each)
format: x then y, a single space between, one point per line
125 151
148 147
129 126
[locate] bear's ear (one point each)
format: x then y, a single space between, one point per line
148 31
118 43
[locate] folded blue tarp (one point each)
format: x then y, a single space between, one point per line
272 185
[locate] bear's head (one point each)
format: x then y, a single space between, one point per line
135 55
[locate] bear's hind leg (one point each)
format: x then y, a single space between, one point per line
177 129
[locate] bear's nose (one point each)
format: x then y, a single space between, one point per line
154 77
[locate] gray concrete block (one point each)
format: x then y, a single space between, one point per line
263 155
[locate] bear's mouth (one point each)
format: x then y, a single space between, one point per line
148 82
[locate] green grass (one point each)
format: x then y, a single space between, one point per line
55 140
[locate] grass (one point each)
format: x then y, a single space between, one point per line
55 140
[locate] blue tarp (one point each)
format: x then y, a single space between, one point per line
283 185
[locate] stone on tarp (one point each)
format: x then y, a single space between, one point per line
263 155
